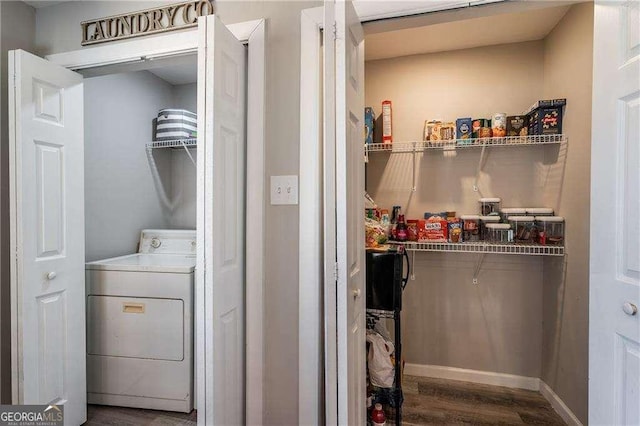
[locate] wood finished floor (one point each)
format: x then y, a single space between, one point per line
451 402
426 402
103 415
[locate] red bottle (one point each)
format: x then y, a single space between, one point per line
401 229
377 416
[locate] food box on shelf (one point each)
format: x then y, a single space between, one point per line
517 125
463 130
436 229
369 119
545 117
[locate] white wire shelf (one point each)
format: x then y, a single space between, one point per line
454 144
483 247
176 143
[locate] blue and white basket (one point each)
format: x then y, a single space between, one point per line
176 124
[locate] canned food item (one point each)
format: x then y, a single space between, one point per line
481 127
499 125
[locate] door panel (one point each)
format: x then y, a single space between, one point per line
221 192
349 116
47 235
614 328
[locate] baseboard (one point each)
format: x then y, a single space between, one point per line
496 379
559 405
475 376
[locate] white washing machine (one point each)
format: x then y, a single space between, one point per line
140 324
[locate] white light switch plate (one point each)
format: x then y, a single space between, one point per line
284 190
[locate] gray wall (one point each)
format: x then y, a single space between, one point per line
183 172
17 31
565 357
120 194
58 30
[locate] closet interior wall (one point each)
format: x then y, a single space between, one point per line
121 195
528 315
568 65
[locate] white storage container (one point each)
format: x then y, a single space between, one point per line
524 228
539 211
470 227
484 221
551 230
489 206
175 124
499 233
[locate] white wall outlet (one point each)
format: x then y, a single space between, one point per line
284 190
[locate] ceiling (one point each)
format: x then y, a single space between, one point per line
465 34
179 73
41 3
174 70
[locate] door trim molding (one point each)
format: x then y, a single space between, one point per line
252 33
311 236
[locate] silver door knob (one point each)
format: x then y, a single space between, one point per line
629 308
51 275
356 293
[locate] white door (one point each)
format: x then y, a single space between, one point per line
614 323
47 235
221 218
345 134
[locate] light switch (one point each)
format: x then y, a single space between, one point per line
284 190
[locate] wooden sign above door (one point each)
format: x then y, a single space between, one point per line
145 22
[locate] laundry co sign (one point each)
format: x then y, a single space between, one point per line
145 22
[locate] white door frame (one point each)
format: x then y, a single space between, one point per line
311 269
253 34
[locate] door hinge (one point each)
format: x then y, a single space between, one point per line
335 271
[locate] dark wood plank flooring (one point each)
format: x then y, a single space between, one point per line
451 402
426 402
103 415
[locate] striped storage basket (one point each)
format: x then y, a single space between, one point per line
176 124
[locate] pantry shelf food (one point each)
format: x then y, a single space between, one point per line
509 141
484 247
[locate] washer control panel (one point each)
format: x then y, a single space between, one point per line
167 241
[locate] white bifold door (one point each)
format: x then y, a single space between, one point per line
614 297
47 231
343 212
47 235
222 106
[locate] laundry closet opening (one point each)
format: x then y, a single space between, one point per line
140 233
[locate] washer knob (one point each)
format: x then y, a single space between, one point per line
629 308
51 275
155 243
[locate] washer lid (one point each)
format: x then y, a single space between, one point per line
167 241
143 262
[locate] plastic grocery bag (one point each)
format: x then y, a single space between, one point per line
380 366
